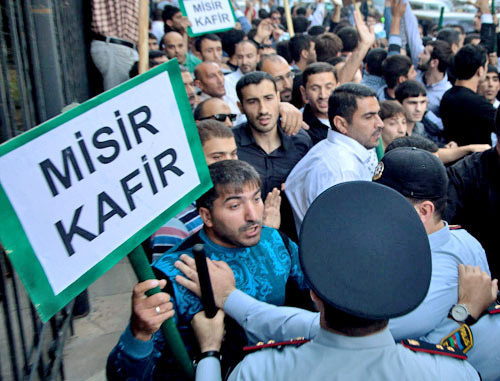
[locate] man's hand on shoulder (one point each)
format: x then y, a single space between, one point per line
291 119
149 312
221 278
476 289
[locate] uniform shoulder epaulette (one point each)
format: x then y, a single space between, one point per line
274 344
455 227
494 309
435 349
460 339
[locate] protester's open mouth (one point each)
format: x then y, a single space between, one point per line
252 231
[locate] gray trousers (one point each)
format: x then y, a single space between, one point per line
114 61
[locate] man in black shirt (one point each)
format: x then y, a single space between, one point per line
318 82
261 141
468 118
474 199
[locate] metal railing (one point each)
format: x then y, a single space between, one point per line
44 63
32 349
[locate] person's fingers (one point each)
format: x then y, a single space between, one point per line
461 270
189 261
154 300
189 284
284 120
304 125
188 271
140 288
494 289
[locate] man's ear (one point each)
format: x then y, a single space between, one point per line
304 54
401 79
480 72
303 93
240 106
198 84
206 216
341 124
425 210
434 63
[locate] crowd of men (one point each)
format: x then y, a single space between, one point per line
356 169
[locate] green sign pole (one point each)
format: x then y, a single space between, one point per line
441 17
173 339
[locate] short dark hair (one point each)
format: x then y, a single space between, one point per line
457 26
349 37
297 44
415 141
156 54
301 11
439 205
468 60
336 60
316 68
283 51
374 60
471 36
198 110
351 325
250 42
492 69
168 12
450 35
409 89
328 45
210 129
388 109
395 66
199 40
229 40
344 101
441 51
300 24
316 30
253 78
228 176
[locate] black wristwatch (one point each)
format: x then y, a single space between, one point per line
461 314
206 354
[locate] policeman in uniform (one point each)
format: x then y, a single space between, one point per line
358 282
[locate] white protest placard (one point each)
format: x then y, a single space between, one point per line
208 16
82 190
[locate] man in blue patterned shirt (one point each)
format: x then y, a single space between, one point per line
262 259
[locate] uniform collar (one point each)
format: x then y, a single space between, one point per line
440 237
352 145
376 340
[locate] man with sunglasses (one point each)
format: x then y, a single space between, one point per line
215 108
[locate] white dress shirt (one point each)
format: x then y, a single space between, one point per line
334 160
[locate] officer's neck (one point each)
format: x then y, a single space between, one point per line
355 331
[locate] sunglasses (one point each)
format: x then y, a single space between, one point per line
221 117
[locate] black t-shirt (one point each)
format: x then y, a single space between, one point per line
468 118
474 200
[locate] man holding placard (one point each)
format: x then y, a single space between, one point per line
264 259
